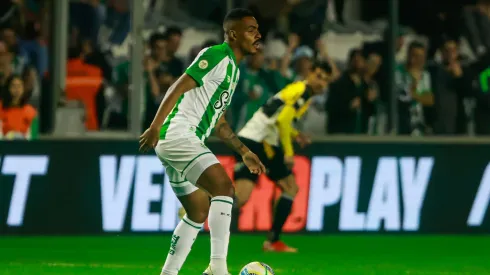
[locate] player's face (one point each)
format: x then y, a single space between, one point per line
318 80
249 36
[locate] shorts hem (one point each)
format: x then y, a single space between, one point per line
196 168
192 160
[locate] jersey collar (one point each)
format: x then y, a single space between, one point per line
230 52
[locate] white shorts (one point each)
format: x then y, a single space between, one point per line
184 159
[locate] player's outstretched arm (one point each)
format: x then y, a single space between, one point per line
182 85
226 134
149 138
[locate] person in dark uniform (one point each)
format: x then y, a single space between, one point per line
269 133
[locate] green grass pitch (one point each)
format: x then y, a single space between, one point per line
319 255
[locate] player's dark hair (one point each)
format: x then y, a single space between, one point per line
447 39
353 53
237 14
157 36
415 45
325 66
7 97
172 30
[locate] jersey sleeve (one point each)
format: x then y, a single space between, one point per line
204 63
292 92
284 124
289 95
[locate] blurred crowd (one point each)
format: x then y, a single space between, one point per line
440 89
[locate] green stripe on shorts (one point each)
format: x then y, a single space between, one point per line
189 163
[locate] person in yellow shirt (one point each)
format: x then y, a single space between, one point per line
270 133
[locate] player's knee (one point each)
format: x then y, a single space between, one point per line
291 191
223 187
290 188
198 216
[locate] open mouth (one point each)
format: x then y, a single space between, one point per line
257 45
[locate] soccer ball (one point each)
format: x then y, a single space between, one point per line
256 268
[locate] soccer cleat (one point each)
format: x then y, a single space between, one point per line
278 246
208 271
181 213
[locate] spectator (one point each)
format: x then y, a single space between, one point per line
477 26
10 13
350 101
451 85
381 49
21 57
34 44
17 118
481 85
307 18
83 20
253 90
6 69
268 13
155 77
91 55
163 48
415 98
302 60
118 20
173 36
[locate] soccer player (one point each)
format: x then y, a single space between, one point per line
269 133
191 109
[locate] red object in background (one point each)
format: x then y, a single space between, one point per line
83 83
256 215
17 119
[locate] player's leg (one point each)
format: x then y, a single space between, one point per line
284 178
281 213
244 180
243 190
210 175
196 204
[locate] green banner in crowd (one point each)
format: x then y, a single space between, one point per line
94 187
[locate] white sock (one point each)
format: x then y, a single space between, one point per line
219 220
184 236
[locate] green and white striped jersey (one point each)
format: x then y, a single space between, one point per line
197 111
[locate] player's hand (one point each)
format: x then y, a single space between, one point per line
289 161
293 41
150 65
303 140
149 139
253 163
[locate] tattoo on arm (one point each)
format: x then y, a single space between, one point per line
225 133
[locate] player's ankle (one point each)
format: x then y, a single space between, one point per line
218 265
272 237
